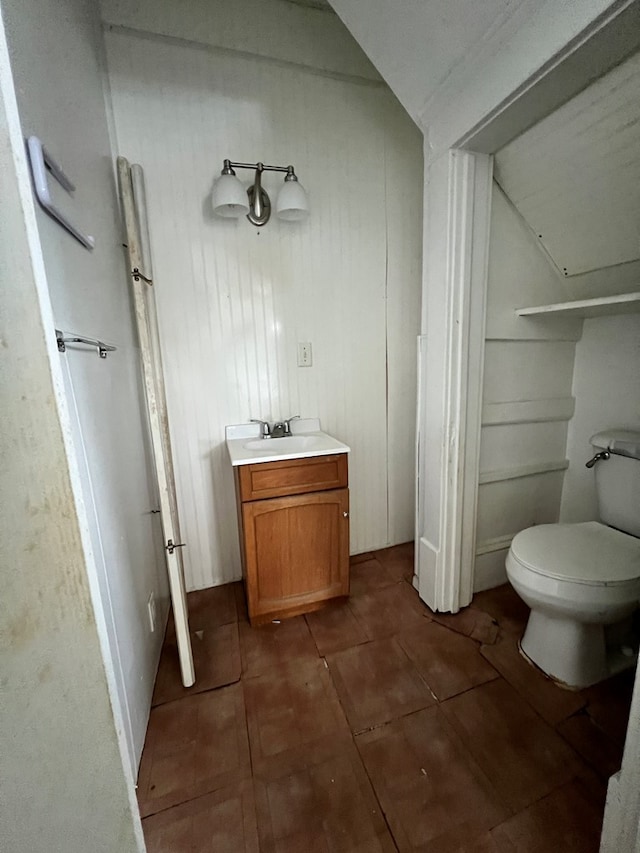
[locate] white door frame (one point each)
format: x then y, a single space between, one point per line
451 347
456 241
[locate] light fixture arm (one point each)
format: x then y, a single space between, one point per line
229 164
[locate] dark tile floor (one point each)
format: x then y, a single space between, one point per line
374 725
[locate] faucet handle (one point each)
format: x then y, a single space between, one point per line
264 426
287 424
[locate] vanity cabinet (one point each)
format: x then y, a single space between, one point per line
294 534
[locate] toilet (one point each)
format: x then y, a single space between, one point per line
582 581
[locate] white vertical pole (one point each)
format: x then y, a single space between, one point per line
155 397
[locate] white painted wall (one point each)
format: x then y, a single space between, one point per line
276 29
65 775
527 394
606 387
57 59
234 300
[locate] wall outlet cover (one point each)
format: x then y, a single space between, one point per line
305 358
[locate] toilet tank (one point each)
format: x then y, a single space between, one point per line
618 479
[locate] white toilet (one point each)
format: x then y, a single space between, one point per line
582 581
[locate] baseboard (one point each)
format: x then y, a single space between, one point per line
490 569
427 557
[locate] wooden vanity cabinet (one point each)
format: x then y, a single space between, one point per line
294 534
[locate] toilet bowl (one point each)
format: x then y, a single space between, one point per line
577 579
582 581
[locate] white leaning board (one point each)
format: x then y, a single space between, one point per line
135 222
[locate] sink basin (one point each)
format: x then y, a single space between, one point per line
286 444
246 448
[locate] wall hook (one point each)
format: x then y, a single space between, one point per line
137 275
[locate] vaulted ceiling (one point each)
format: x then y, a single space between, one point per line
416 44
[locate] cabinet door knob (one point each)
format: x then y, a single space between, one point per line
345 515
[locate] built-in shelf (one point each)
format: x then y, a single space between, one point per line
623 303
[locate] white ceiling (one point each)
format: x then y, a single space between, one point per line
575 176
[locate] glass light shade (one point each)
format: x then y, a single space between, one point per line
292 202
229 197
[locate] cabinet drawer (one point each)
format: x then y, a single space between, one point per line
291 477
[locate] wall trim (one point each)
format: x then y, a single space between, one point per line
528 411
491 571
606 42
519 471
564 338
454 306
500 543
490 567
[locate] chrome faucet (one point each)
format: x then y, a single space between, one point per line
265 431
280 429
287 424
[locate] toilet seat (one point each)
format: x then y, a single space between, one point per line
588 553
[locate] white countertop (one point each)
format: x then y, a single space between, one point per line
306 431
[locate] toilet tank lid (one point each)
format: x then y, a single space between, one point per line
621 442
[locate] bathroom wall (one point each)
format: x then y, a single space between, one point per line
235 300
59 74
528 399
606 387
288 32
66 783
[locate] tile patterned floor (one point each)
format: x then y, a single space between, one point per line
374 725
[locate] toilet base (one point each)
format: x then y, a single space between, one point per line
577 654
571 652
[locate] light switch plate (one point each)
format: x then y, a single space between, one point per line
305 358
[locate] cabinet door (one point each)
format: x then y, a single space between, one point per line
297 551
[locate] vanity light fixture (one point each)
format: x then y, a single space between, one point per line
230 199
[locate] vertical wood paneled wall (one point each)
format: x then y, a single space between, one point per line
235 300
527 395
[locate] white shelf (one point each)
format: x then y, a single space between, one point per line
624 303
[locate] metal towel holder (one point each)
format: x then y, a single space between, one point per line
63 340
